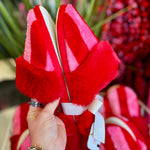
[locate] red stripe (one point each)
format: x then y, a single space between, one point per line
60 38
23 116
131 142
74 39
46 40
123 101
38 47
109 145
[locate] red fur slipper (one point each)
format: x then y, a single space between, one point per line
122 135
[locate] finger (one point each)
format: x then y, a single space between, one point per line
50 108
61 129
59 121
33 112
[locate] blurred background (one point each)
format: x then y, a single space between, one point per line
125 24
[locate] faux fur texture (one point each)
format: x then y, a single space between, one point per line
118 137
36 83
92 65
97 64
73 135
96 71
77 133
88 66
84 122
141 124
123 101
75 35
118 141
39 75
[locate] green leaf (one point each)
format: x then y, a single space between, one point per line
101 17
9 46
58 2
10 38
90 10
9 19
83 7
115 15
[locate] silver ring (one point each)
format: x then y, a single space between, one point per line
36 104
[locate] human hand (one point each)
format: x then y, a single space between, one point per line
46 129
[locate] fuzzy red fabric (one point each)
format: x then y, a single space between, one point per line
34 81
61 37
73 135
112 142
141 124
89 75
92 76
122 101
70 35
42 42
106 111
14 141
88 66
32 78
37 83
77 132
84 123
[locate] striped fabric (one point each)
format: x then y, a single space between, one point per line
123 101
121 134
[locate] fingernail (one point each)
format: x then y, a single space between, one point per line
56 101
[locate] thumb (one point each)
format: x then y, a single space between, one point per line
50 107
33 112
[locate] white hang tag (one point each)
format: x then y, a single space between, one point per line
92 143
96 104
99 128
73 109
97 132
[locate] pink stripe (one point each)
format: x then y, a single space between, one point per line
102 147
27 51
17 122
73 64
142 145
86 33
132 102
118 138
49 65
26 143
114 102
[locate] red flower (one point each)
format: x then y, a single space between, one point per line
129 36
